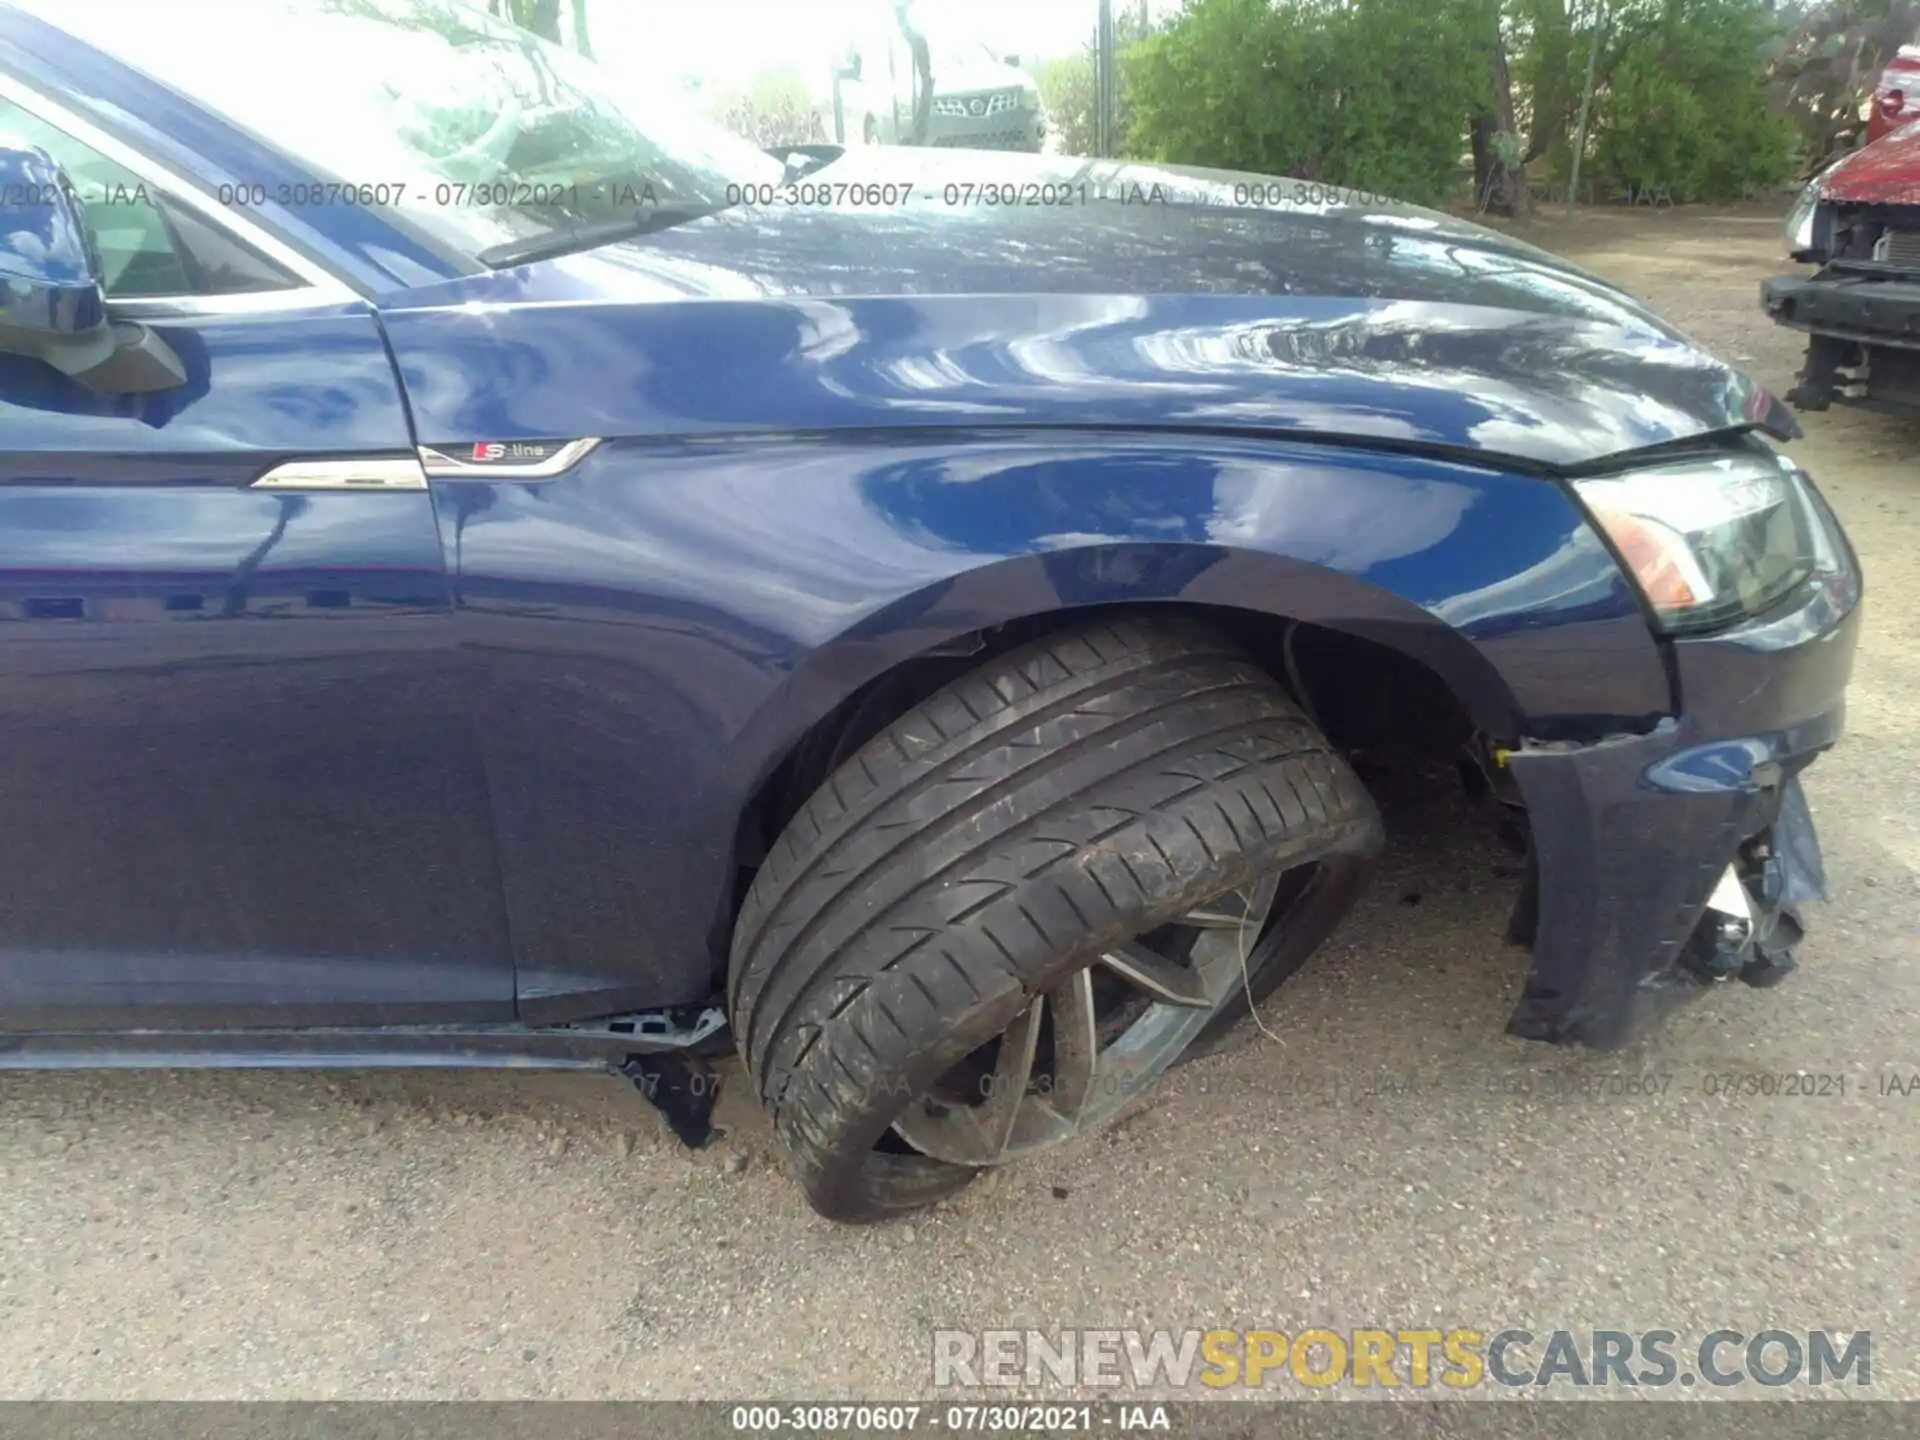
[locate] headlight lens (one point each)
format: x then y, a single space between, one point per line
1712 540
1799 225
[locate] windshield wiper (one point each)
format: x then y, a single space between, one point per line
585 237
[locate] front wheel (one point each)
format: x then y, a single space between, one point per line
1008 913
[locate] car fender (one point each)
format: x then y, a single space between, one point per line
656 629
1491 580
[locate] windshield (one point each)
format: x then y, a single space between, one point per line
470 126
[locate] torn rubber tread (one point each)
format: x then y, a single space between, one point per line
1065 796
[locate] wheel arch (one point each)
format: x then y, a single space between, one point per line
1063 586
852 685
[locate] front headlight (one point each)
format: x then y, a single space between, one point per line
1029 99
1799 226
1714 539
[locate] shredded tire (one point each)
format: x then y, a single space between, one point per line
1061 798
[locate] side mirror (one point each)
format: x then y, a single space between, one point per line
1013 60
53 305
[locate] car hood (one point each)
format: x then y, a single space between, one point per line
978 77
963 288
911 221
1886 172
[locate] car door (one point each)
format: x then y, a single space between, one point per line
237 781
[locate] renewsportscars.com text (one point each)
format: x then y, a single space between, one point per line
1459 1358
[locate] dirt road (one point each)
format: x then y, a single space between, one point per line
295 1235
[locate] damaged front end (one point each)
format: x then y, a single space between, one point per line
1639 896
1667 862
1753 921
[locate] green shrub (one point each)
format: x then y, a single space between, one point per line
1067 90
1408 75
1369 93
1378 94
1685 106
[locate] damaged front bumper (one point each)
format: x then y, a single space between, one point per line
1667 862
1875 306
1863 326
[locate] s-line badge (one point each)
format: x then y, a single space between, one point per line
504 459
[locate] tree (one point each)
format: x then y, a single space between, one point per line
1067 87
542 17
922 70
1374 94
1545 68
1826 66
1499 156
1682 107
1067 90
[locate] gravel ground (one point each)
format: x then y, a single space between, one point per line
286 1235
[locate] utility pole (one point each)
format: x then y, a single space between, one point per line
1586 107
1103 82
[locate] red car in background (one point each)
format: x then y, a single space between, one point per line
1896 99
1859 221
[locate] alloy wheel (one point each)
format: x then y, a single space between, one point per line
1080 1051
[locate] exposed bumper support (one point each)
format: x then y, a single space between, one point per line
1754 921
1873 309
1863 332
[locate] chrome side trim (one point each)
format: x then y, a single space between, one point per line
377 473
253 302
442 466
321 286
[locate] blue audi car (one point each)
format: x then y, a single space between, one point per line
495 573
